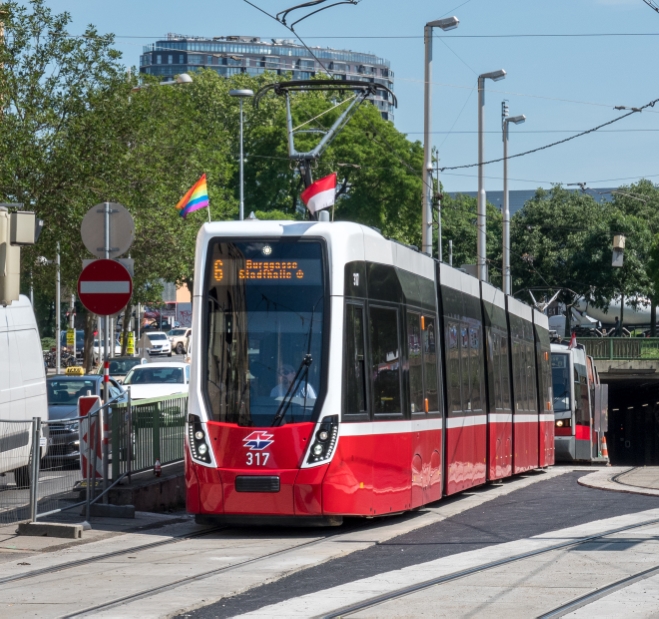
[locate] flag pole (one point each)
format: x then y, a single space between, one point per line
209 212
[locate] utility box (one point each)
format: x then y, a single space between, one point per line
22 228
619 241
10 261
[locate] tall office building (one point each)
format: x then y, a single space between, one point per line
232 55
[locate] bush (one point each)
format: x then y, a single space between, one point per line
48 342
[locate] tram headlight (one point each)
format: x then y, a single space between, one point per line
322 448
197 440
559 423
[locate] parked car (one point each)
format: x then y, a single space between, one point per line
178 339
22 387
63 394
158 379
160 344
120 366
99 349
164 324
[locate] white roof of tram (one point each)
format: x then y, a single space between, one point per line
346 241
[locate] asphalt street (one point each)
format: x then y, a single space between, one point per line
540 508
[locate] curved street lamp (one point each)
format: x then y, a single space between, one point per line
481 263
426 213
507 280
241 95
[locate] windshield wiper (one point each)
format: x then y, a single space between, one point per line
285 403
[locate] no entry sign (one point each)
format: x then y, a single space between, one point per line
105 287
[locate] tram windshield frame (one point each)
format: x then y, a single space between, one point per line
561 380
265 309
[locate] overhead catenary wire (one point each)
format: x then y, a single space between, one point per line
546 146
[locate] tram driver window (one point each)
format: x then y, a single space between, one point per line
385 359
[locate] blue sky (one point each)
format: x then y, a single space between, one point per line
562 84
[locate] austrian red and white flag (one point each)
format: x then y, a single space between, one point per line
321 194
573 341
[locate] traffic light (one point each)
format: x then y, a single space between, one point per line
16 229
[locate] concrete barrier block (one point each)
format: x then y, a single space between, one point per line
50 529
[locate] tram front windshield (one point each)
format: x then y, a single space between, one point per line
561 381
264 307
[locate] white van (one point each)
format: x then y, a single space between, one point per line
22 387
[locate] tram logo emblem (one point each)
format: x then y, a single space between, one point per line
258 441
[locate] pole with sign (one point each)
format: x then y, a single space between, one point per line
105 285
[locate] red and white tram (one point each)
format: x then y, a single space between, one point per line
336 373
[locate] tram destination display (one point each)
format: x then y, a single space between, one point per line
287 264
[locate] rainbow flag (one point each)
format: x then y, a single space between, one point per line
195 199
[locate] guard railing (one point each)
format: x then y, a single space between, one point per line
146 431
41 474
621 348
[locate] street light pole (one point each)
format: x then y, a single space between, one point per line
426 211
507 280
241 94
481 222
58 315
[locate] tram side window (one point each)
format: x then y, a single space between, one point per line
475 363
493 337
464 368
385 359
354 395
532 383
430 364
505 372
415 361
453 380
518 382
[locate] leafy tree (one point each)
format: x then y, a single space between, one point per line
638 220
460 225
562 239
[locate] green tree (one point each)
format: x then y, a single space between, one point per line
562 239
460 225
638 220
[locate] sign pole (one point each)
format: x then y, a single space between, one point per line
58 319
106 355
105 286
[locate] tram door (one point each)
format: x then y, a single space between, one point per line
391 446
424 402
583 415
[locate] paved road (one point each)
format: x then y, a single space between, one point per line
548 506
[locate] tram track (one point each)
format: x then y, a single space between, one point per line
351 609
108 555
598 594
189 579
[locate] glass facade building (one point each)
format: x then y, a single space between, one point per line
232 55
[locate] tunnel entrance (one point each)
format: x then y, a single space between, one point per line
633 434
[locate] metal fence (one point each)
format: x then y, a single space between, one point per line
15 444
638 348
144 431
50 466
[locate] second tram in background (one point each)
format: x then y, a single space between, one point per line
580 405
337 373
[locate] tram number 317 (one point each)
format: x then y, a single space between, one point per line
257 459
